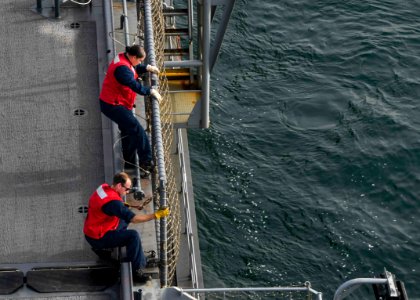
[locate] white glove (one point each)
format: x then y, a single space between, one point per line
152 69
156 94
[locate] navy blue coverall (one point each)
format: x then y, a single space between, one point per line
121 237
134 138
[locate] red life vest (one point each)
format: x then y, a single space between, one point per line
114 92
97 222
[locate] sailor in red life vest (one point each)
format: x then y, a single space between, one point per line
107 220
117 98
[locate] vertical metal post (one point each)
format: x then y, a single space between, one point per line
126 279
190 35
157 135
190 20
200 38
57 8
319 296
205 100
221 32
126 33
39 5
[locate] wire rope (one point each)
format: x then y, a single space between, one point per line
81 3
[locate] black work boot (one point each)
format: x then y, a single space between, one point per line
139 277
152 263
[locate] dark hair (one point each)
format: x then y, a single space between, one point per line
135 50
120 178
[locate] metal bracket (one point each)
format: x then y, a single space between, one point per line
392 287
42 9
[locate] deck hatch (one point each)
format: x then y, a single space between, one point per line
80 279
10 281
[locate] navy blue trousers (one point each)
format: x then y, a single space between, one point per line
134 138
122 238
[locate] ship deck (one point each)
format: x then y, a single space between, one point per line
52 132
56 146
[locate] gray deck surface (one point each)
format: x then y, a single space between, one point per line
50 159
72 297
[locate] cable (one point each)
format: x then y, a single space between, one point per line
111 35
81 3
123 160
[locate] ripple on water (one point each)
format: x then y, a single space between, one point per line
310 168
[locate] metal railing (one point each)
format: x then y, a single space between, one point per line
175 293
187 210
157 138
349 286
393 289
159 151
387 287
169 190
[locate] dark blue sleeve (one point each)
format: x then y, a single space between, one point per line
141 69
117 208
125 77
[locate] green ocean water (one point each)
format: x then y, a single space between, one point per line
310 170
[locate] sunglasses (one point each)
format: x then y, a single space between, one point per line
127 189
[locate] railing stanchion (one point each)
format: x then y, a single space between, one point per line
57 8
39 5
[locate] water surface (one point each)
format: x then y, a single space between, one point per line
310 169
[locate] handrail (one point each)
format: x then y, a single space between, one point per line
206 23
389 281
174 293
125 15
355 283
186 200
157 136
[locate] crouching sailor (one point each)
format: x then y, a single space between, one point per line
107 220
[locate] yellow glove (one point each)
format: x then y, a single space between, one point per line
153 69
156 94
162 213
